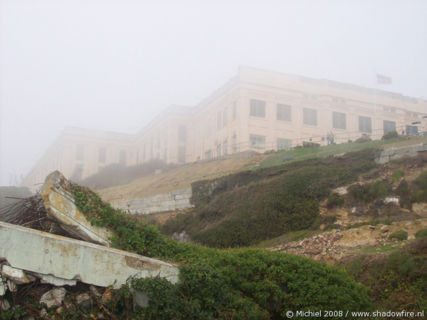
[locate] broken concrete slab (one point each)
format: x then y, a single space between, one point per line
16 275
71 259
58 199
3 287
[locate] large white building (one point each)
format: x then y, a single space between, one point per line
256 110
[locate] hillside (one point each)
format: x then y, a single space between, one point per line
183 176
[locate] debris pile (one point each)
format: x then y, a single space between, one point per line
49 266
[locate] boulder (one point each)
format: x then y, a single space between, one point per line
53 298
16 275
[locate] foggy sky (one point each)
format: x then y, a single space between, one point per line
114 65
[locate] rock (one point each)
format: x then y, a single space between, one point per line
420 209
392 200
53 298
84 300
16 275
4 304
43 313
341 191
385 229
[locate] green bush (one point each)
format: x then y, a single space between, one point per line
221 284
420 192
397 175
390 135
399 235
334 200
421 234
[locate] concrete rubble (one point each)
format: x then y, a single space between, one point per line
29 256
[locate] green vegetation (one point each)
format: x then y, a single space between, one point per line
399 235
334 200
397 175
222 284
251 206
369 192
420 192
421 234
299 154
397 281
390 135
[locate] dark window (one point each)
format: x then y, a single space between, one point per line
208 155
309 116
182 133
181 154
284 144
101 155
234 143
257 141
339 120
389 126
122 157
225 147
412 130
80 152
365 124
257 108
284 112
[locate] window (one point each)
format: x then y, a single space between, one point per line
122 157
284 144
218 120
101 155
234 143
257 108
80 152
257 142
309 116
234 111
225 147
181 154
389 126
284 112
224 118
339 120
208 154
411 130
182 133
365 124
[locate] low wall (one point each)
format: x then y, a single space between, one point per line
396 153
175 200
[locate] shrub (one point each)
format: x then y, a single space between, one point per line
390 135
397 175
420 192
228 284
404 194
399 235
334 200
421 234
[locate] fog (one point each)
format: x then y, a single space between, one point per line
114 65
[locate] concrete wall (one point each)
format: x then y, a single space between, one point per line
175 200
396 153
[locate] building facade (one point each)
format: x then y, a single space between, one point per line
257 110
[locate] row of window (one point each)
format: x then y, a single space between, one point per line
339 119
102 154
258 142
